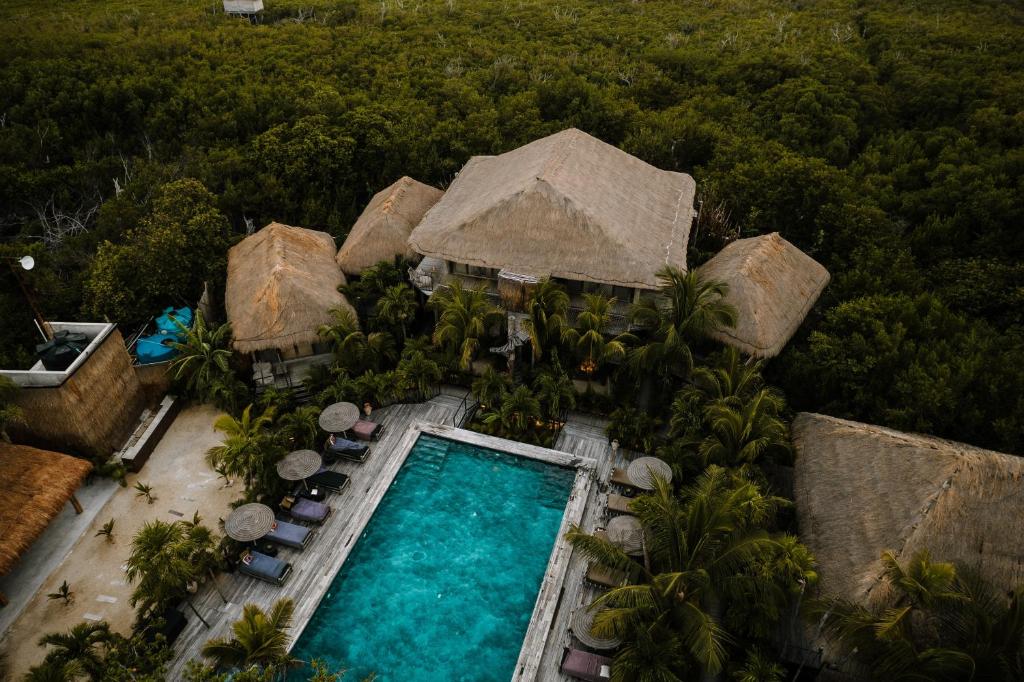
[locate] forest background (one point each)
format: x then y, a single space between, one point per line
885 139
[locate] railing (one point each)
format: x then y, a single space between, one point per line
465 411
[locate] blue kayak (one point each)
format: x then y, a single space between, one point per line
156 348
167 321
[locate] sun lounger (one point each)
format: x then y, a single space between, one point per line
302 509
289 534
365 430
620 478
263 567
602 576
584 665
619 504
346 449
335 481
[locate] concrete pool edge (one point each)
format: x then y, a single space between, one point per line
554 576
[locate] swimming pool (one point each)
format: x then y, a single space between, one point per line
443 581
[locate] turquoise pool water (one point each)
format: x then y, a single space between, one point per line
442 583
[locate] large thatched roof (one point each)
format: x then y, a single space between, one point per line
282 283
772 285
382 231
35 485
862 490
567 205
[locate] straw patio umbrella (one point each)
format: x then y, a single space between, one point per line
643 469
299 465
627 533
249 522
582 629
339 417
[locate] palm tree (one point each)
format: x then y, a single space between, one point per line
419 373
730 381
52 671
397 307
354 350
547 306
695 545
465 316
743 435
932 624
82 646
490 387
555 392
248 450
695 308
299 428
204 357
520 410
588 338
259 638
166 558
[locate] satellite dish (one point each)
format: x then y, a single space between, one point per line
27 262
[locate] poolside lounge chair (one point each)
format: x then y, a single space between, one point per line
584 665
366 430
335 481
302 509
289 534
262 567
600 575
620 478
336 447
619 504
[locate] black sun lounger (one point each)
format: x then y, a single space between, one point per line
335 481
262 567
289 534
340 448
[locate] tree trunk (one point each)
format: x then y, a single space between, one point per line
198 615
213 579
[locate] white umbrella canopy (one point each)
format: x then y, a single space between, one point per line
299 465
642 470
627 533
583 626
339 417
249 522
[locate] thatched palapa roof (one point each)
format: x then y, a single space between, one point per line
36 485
567 205
862 489
282 283
382 231
772 284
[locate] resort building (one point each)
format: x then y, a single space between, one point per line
86 407
282 284
36 484
772 285
382 231
567 206
861 490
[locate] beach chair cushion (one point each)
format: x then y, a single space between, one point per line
308 510
584 665
259 565
346 449
289 534
331 480
365 430
620 478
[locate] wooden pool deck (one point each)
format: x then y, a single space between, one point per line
314 568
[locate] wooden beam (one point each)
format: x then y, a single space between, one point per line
76 504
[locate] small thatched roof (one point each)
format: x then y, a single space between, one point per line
567 205
282 283
862 489
382 231
36 485
772 285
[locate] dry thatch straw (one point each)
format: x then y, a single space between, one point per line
36 485
382 231
567 205
282 283
93 411
772 285
862 490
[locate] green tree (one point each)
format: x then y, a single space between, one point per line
259 638
355 351
465 316
744 435
555 392
203 365
418 373
519 411
397 307
547 307
299 429
134 278
690 309
588 339
248 449
83 646
490 387
727 381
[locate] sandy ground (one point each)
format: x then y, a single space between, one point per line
182 484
